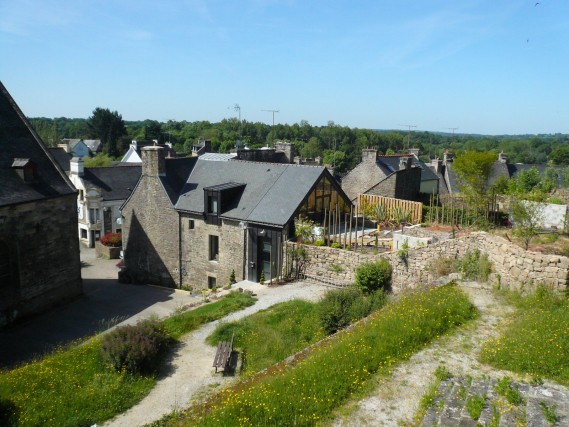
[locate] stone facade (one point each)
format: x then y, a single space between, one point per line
515 268
197 266
39 239
150 224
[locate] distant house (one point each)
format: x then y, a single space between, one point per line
75 147
95 146
133 155
192 221
203 146
501 168
39 249
102 191
396 176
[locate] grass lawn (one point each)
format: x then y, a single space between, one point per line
306 393
269 336
536 341
72 386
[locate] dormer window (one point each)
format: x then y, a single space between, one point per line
219 199
26 169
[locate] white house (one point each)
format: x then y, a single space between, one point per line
133 155
101 193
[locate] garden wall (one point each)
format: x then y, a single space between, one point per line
514 268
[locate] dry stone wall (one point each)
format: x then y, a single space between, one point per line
514 268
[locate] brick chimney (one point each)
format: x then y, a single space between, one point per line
502 157
153 163
369 155
405 162
287 148
414 152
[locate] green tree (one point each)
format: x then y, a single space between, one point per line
473 169
560 155
99 160
527 218
108 126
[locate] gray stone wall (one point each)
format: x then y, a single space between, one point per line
515 268
196 265
150 235
42 240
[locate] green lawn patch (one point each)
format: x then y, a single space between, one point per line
72 386
267 337
309 391
536 342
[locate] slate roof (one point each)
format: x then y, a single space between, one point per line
392 164
271 195
61 157
93 144
177 172
115 183
219 157
19 140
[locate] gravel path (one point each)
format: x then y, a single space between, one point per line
190 370
395 399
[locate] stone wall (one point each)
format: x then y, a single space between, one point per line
196 265
40 239
514 268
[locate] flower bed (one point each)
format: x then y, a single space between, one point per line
109 246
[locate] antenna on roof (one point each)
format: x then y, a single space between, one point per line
409 135
273 111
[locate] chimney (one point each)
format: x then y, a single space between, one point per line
405 162
369 155
447 157
414 152
436 164
76 166
502 157
153 163
287 148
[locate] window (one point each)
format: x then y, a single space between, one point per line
212 207
213 248
191 224
212 204
81 195
83 233
94 215
211 282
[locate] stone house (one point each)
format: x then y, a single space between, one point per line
39 249
101 192
396 176
192 221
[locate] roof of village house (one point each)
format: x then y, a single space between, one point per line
271 195
19 140
115 183
392 164
93 144
177 172
62 158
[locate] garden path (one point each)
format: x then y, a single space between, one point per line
190 374
396 398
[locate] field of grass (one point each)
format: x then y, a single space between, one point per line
309 391
536 342
72 387
267 337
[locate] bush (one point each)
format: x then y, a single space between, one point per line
475 266
113 240
335 245
340 308
319 243
135 348
373 276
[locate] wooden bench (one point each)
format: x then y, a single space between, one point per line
223 354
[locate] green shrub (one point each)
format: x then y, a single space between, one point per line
232 280
373 276
319 243
135 348
335 245
340 308
475 266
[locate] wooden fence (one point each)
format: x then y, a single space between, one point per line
415 209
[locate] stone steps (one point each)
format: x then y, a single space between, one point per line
450 408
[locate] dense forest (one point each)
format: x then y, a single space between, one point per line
335 143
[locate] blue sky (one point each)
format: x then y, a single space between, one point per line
482 66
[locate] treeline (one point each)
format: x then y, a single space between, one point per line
336 144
